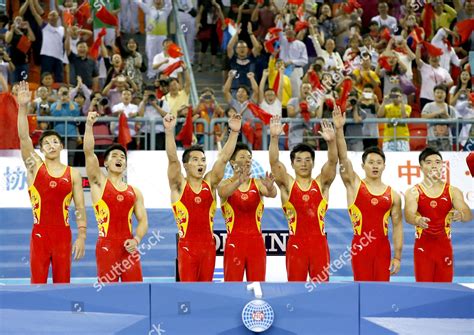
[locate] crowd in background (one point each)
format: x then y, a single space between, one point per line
377 59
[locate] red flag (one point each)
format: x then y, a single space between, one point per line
94 51
276 83
416 37
124 136
274 31
186 133
259 113
465 29
351 6
8 122
470 163
345 90
220 32
385 34
106 17
314 80
295 2
305 111
270 44
68 17
432 50
174 50
248 131
300 13
300 25
428 20
383 61
83 13
173 67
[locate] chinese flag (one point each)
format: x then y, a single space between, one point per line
248 131
83 13
383 61
274 31
186 133
428 20
259 113
8 122
385 34
305 111
345 90
465 29
432 50
124 136
300 25
174 50
415 37
276 83
314 80
351 6
68 17
270 44
106 17
94 51
470 163
171 68
295 2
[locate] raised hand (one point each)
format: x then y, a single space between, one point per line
24 94
327 132
250 75
276 127
169 121
268 181
235 122
92 118
338 118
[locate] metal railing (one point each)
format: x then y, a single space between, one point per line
209 138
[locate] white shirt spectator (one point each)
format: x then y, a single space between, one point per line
127 109
430 77
294 52
390 22
274 108
330 60
53 42
152 113
449 56
159 58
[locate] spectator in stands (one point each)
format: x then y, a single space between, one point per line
242 96
207 109
353 131
461 92
81 90
187 18
274 66
326 25
268 99
162 60
161 85
392 72
47 81
102 135
396 136
240 60
432 75
82 65
64 107
156 19
439 136
263 15
209 13
440 40
368 107
177 96
155 109
129 17
19 38
52 48
444 15
114 68
365 75
113 90
131 111
383 19
41 106
134 63
6 64
332 59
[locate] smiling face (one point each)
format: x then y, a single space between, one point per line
303 164
196 165
439 95
132 45
432 167
51 147
116 162
373 166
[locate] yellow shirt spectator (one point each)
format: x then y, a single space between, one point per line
272 74
395 112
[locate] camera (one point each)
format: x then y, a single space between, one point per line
151 97
65 93
164 82
104 101
353 101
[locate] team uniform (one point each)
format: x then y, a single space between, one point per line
433 252
194 215
114 218
369 216
51 235
307 249
245 247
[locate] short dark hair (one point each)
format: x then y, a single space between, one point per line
238 147
82 42
244 88
440 87
187 152
396 89
301 147
45 74
368 85
113 147
47 133
166 40
428 152
372 150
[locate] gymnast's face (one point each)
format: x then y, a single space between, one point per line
116 162
196 165
432 167
303 164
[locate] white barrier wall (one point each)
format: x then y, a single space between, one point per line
147 170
